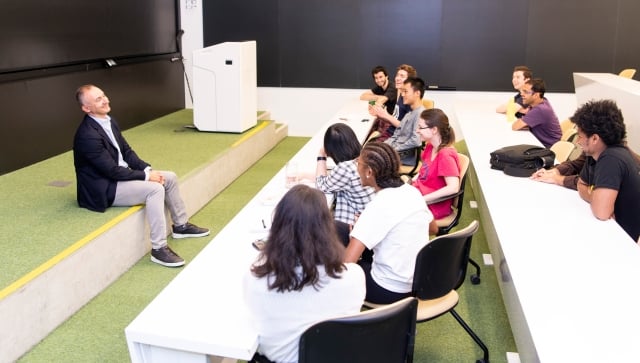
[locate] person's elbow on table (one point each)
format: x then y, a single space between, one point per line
518 125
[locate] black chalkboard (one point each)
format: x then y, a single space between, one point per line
36 34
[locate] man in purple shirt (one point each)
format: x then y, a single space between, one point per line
540 118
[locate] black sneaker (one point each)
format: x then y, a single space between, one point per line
189 230
166 257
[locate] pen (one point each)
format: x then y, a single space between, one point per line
264 225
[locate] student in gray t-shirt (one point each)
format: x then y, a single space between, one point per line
405 138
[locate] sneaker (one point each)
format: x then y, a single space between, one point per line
189 230
166 257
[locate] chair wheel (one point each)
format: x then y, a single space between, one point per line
475 279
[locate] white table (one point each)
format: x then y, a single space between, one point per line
626 93
200 315
568 280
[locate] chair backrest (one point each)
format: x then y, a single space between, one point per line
563 150
372 136
627 73
444 226
464 167
441 265
384 335
569 135
568 130
411 170
567 125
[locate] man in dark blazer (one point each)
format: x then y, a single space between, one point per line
110 173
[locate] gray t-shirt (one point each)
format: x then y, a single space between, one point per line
405 136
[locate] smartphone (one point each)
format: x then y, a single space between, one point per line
259 244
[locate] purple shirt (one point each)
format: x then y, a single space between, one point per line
543 123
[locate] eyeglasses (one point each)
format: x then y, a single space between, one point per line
425 127
527 92
358 162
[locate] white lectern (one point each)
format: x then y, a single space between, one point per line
225 93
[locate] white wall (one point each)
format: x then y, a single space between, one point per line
192 39
304 110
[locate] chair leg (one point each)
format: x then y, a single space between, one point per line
473 336
475 279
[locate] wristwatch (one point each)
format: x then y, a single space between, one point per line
321 158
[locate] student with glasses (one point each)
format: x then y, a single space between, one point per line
540 118
439 174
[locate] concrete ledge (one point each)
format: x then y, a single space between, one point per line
60 287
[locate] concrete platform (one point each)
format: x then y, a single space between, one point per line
36 303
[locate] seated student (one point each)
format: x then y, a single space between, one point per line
395 225
384 127
610 178
404 138
439 175
342 145
384 94
299 278
521 74
540 118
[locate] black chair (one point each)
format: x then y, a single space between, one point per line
411 170
449 222
441 267
384 335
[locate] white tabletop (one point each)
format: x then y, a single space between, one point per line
567 278
625 91
201 312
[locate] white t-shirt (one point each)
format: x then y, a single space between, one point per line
282 317
395 225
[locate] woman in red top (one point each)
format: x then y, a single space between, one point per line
439 175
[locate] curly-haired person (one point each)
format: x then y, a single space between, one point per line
610 178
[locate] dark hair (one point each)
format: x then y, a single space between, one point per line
435 117
384 162
526 72
603 118
417 84
341 143
378 69
537 86
303 236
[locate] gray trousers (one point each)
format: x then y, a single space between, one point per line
154 196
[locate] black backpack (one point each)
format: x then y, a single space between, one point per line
521 160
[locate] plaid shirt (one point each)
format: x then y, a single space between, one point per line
351 197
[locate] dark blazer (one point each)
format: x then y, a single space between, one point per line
96 163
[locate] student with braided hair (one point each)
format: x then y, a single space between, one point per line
439 175
395 225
